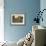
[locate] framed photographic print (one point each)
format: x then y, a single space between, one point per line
17 19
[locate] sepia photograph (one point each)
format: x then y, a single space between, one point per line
17 19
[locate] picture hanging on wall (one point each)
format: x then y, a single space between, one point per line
17 19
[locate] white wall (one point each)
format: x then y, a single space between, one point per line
43 6
1 20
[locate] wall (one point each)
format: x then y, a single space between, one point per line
1 20
28 8
43 6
